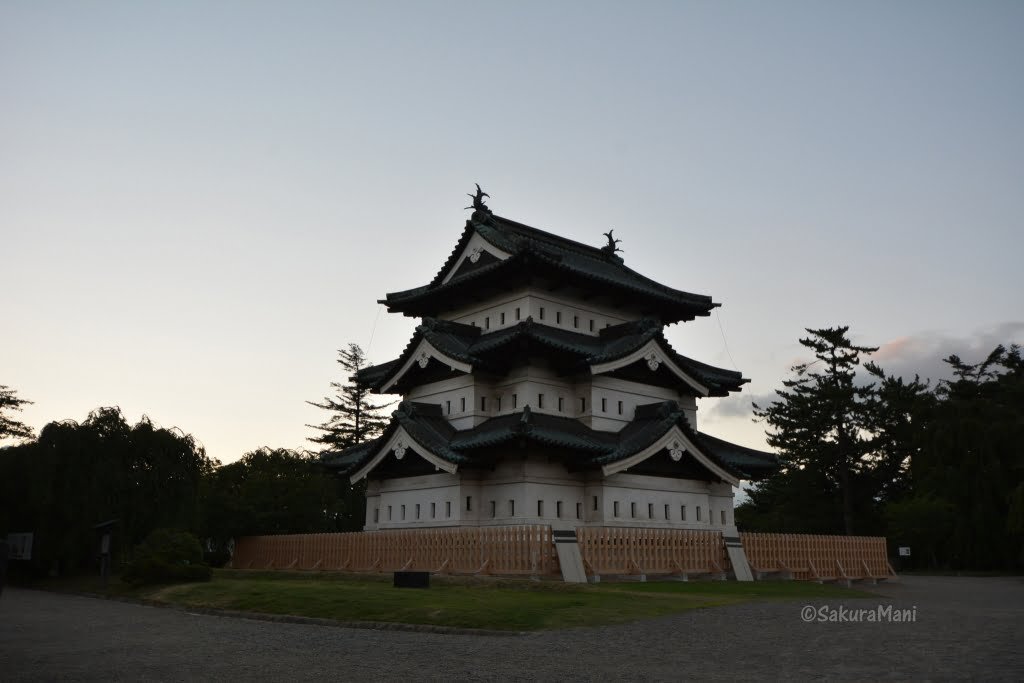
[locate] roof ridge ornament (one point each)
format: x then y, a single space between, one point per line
610 249
481 212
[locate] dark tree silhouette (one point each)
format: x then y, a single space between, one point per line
10 428
354 417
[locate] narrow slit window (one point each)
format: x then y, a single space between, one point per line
560 403
515 401
433 510
595 503
682 512
540 400
558 509
666 511
723 517
650 511
591 325
499 403
376 515
620 407
558 317
540 508
583 405
604 405
632 509
494 508
389 513
448 407
698 513
615 508
417 510
483 404
512 508
575 321
469 503
447 508
541 312
503 318
579 510
487 323
403 512
517 313
462 404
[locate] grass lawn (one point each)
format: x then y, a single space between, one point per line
500 604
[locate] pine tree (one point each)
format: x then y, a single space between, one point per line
819 421
8 426
354 418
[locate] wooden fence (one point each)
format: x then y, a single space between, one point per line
529 550
459 550
817 558
617 550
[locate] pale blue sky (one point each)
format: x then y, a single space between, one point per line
201 201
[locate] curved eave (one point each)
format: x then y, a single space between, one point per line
651 353
420 356
671 440
400 442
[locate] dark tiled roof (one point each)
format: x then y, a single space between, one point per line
531 248
489 351
582 445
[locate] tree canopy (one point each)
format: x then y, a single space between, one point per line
9 427
354 416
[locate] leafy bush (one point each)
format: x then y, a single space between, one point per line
167 556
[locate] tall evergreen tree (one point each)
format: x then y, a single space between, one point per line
10 427
818 424
354 417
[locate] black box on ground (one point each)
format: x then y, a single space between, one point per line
412 579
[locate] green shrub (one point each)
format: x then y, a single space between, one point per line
167 556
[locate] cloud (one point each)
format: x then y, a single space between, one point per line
922 353
738 405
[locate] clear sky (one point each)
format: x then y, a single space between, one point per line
200 202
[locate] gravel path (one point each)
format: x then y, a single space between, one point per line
964 628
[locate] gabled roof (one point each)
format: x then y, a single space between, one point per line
455 343
537 251
582 446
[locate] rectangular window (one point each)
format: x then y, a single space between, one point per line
447 508
389 513
723 517
666 511
558 509
604 405
517 313
698 513
515 401
417 510
448 407
632 509
595 503
469 503
540 400
576 321
579 510
583 405
433 510
615 508
558 317
591 325
502 318
540 508
462 404
682 512
487 323
560 403
620 407
494 509
512 508
650 511
376 515
403 512
541 312
499 403
483 404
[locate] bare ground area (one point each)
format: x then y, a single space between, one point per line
963 628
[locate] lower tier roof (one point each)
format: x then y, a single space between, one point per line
659 429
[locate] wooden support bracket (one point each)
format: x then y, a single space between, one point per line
484 567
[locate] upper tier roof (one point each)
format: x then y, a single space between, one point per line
465 345
657 429
536 254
